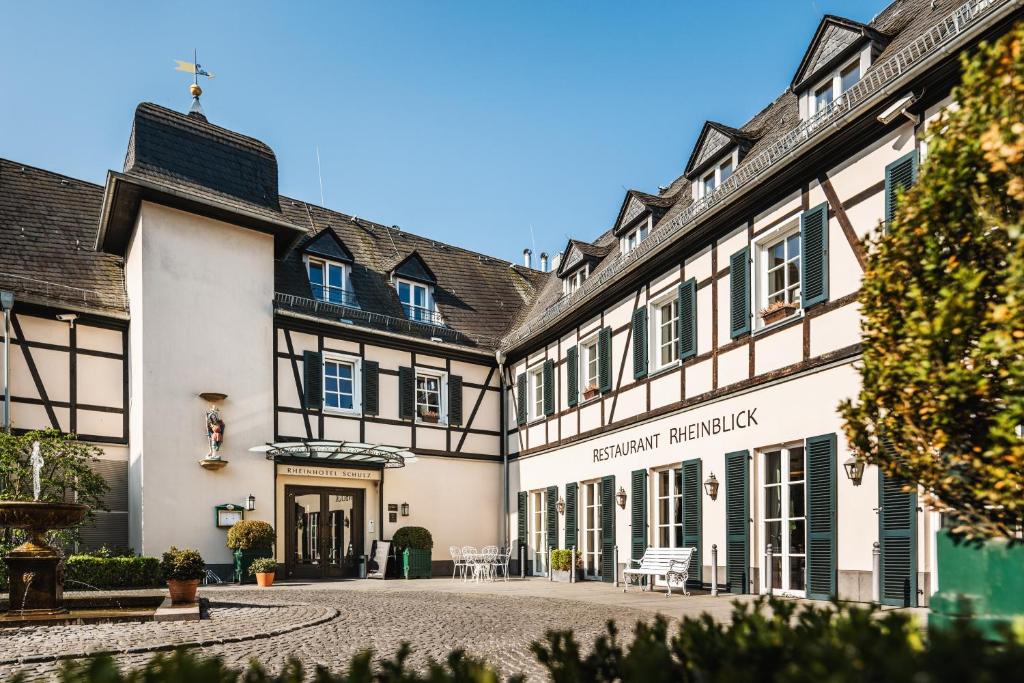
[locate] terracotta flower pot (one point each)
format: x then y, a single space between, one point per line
182 592
265 579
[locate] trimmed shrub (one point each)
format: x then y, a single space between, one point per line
113 572
182 565
561 560
414 537
263 565
249 534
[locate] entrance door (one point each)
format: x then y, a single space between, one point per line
592 529
785 520
539 531
324 531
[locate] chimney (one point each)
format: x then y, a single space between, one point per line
543 261
527 254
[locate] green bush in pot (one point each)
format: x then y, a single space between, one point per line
251 539
414 543
182 569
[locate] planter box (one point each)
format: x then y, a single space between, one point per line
562 575
979 583
432 419
590 393
777 314
244 558
416 564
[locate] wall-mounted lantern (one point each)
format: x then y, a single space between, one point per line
854 470
405 509
560 506
620 498
250 503
711 486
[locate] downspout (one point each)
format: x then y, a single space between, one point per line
499 356
7 303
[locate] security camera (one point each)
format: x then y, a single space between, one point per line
68 318
898 108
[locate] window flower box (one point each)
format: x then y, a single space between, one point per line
590 391
429 416
776 311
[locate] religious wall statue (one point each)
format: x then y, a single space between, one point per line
214 432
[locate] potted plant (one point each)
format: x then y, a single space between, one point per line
561 561
263 568
590 391
427 415
182 569
251 539
414 544
777 310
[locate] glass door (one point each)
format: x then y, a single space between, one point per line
785 520
324 531
304 557
539 532
592 529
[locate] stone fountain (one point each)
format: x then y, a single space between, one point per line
36 569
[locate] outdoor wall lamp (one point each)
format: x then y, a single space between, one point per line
405 509
854 470
711 486
250 503
560 506
620 498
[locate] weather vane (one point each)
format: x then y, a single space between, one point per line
197 70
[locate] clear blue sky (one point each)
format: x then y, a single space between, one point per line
467 122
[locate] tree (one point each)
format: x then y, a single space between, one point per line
943 310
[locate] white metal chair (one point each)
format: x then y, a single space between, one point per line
458 561
487 560
501 562
469 559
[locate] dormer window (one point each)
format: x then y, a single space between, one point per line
834 85
716 176
329 281
417 301
575 280
632 239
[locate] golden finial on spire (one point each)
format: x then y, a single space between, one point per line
196 70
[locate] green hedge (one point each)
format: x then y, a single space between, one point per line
112 572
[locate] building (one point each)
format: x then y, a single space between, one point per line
672 382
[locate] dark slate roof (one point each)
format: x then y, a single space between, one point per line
414 267
832 40
47 231
590 253
327 245
713 139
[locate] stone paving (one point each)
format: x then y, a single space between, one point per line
326 623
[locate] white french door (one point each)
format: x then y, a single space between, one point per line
784 521
539 531
591 545
668 509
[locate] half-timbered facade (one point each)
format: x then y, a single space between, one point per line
671 382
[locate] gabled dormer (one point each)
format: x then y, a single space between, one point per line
839 54
579 261
329 267
716 155
637 216
414 283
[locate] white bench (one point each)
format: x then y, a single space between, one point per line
671 563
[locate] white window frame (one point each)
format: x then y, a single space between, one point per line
357 383
637 234
673 495
535 392
429 305
785 557
442 398
588 344
760 250
654 318
590 496
714 174
539 531
835 81
348 294
575 280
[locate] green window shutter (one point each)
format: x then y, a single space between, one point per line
406 393
739 293
693 517
897 538
821 516
737 521
570 514
687 320
371 387
608 568
522 518
638 514
572 376
313 380
454 399
549 387
521 398
640 343
604 360
899 176
551 498
814 256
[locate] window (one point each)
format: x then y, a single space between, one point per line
785 519
665 336
430 404
417 302
575 280
592 529
539 531
341 384
588 365
536 395
715 177
668 509
779 270
724 171
709 184
849 76
329 282
834 85
634 237
823 97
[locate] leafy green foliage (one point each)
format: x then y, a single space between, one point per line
561 560
943 306
248 534
415 537
67 472
113 572
263 565
182 565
